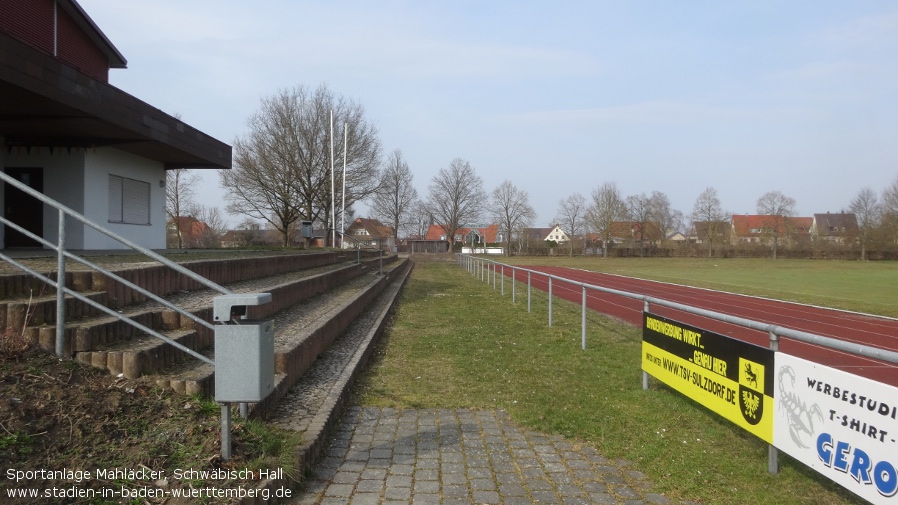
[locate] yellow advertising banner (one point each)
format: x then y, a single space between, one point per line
728 376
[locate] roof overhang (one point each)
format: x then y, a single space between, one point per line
45 103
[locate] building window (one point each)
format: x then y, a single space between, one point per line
129 200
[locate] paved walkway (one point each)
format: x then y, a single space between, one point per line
389 456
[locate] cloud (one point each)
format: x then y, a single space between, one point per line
874 31
658 113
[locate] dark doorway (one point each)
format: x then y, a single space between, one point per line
22 209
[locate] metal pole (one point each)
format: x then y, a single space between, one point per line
773 464
550 302
225 431
583 322
60 287
503 280
645 375
514 282
528 291
345 150
333 204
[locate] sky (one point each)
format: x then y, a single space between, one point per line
558 97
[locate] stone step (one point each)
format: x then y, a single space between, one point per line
302 332
144 354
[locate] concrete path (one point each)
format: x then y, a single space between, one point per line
389 456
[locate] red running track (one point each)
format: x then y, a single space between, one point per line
852 327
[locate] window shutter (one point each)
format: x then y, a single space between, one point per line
135 202
129 200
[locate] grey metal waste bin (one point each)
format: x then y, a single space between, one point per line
244 350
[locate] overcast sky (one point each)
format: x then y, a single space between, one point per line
558 97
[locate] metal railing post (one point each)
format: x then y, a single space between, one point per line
528 291
645 375
583 322
773 464
514 282
550 302
60 287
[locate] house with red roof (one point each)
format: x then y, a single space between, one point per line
467 235
70 135
762 229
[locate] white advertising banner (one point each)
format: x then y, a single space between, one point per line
841 425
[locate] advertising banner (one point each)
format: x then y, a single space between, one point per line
841 425
728 376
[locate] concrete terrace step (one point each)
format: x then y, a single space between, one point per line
313 405
302 332
108 334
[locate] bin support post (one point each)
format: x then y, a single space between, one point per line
225 431
244 358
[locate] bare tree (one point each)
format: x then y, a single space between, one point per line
420 219
607 208
889 207
248 233
179 194
639 210
282 166
571 215
392 202
708 218
867 210
510 207
667 219
456 197
776 209
215 226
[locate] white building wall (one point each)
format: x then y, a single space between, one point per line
98 165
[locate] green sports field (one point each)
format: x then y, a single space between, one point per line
870 287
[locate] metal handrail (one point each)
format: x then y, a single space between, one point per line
803 336
62 254
359 245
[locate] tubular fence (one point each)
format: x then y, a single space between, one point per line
495 272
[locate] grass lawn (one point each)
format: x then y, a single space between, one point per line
456 342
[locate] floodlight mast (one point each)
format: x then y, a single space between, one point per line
333 209
345 150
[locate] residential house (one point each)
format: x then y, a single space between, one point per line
552 233
190 230
67 133
760 229
370 232
676 238
839 228
632 233
467 235
714 231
